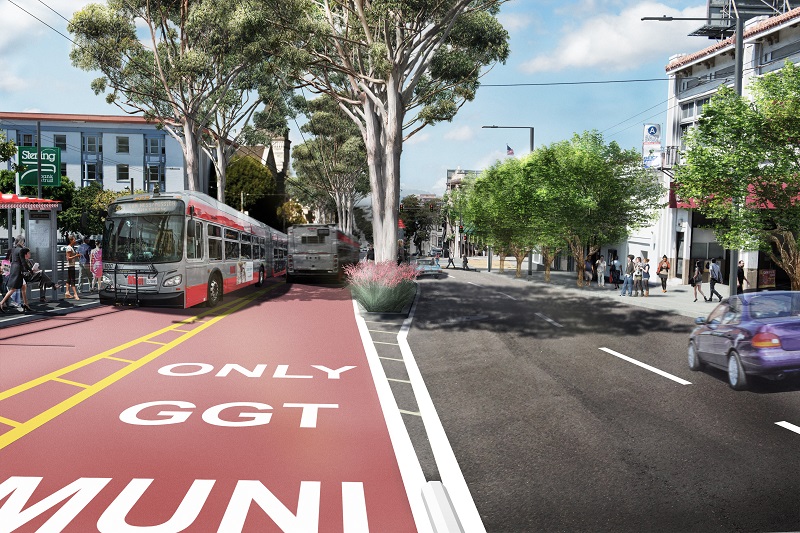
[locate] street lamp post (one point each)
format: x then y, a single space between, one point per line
530 253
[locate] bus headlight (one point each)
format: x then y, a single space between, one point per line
173 281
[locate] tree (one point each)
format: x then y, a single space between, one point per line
7 148
334 161
202 60
292 213
395 67
248 182
742 168
418 220
592 193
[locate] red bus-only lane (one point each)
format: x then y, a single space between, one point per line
264 419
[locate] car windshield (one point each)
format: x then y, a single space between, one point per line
150 239
768 305
424 261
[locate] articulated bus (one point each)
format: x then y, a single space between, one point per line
319 250
180 249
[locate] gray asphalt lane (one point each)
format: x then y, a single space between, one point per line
553 434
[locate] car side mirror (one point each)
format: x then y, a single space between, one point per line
700 321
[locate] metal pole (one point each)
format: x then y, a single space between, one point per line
38 159
530 263
490 259
531 140
738 82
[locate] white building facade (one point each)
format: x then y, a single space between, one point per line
113 151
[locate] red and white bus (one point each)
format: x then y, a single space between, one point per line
180 249
319 250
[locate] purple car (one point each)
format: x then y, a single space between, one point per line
752 334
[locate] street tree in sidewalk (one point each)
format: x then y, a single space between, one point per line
500 208
741 168
591 193
191 73
334 160
418 220
395 67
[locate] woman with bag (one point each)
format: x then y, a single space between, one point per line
15 278
696 280
663 272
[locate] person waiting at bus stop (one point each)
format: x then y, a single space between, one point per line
15 278
33 274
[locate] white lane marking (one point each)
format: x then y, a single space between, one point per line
474 284
647 367
446 462
391 358
392 343
790 427
507 296
548 320
399 380
410 468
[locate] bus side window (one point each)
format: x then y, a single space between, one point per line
194 240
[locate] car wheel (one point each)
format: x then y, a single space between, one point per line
261 277
214 290
737 379
694 360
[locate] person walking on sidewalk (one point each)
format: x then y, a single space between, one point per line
83 262
72 256
600 265
449 257
696 280
627 282
615 272
646 276
663 272
740 279
637 277
715 277
96 266
18 271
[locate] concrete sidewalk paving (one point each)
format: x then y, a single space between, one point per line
678 299
55 305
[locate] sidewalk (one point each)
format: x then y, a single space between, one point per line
54 306
678 298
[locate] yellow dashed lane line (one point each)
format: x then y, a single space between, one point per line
20 429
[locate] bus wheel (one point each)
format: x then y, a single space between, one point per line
260 277
214 290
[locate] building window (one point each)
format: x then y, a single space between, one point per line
27 139
123 145
60 141
123 173
92 145
155 175
63 169
154 146
92 173
687 110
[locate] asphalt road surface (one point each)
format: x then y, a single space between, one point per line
558 425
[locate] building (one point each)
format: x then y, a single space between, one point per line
114 151
693 78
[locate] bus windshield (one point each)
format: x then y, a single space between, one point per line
144 238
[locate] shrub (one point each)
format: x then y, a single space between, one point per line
382 287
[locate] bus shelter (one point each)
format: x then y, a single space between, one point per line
41 231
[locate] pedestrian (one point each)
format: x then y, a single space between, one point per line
72 258
616 271
371 253
600 266
740 279
646 276
663 272
83 262
715 276
637 277
696 280
449 258
19 243
627 282
464 263
96 266
401 252
17 271
587 270
34 274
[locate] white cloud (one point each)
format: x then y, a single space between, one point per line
418 139
461 133
514 22
620 41
23 27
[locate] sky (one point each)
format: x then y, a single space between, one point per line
552 42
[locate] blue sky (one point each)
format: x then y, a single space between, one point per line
552 41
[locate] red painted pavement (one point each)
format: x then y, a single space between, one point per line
348 450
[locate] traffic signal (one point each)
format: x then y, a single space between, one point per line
401 207
431 206
460 228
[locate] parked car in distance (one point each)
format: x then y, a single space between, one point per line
436 250
427 266
750 334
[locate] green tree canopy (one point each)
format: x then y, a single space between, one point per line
248 182
741 167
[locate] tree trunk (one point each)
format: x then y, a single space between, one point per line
576 249
221 168
547 259
788 256
519 255
190 153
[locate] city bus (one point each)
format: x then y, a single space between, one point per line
181 249
319 250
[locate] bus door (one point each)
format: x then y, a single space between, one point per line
196 269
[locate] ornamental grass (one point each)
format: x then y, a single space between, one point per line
382 287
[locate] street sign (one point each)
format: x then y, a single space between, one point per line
51 166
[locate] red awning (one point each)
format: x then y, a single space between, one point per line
400 224
12 201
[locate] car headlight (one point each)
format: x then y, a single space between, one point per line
173 281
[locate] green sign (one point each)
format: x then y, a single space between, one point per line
51 166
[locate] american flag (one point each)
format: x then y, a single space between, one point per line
509 150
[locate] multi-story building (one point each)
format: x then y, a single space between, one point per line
113 151
693 79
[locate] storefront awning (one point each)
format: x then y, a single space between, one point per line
12 201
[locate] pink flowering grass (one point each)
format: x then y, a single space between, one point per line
382 287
